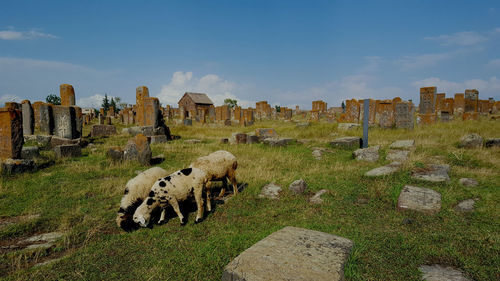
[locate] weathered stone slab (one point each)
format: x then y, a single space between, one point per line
403 115
78 122
11 133
192 141
471 141
419 199
270 191
158 139
253 139
28 118
138 149
432 173
102 130
303 125
68 150
30 152
277 141
56 141
16 166
189 122
264 133
494 142
403 144
384 170
292 254
346 142
67 94
398 155
437 272
241 138
116 153
298 186
316 199
347 126
468 182
369 154
466 206
64 122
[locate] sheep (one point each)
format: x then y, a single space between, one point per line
136 190
171 189
219 165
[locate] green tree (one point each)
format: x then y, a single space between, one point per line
113 104
53 99
105 103
232 103
278 108
343 106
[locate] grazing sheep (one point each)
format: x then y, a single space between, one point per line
219 165
171 189
136 190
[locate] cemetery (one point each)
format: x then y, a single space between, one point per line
372 190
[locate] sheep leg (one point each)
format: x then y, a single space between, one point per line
207 190
175 206
198 196
223 190
162 216
232 177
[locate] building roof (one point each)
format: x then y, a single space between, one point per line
199 98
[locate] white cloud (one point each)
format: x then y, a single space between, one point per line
464 38
9 98
24 35
215 87
489 87
32 64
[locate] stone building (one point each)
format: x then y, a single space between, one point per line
195 106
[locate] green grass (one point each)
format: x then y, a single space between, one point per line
81 196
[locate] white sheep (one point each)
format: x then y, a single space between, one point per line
172 189
219 165
136 190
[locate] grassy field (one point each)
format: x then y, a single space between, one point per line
81 196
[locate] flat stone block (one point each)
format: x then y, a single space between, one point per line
347 126
30 152
384 170
263 133
277 141
403 144
347 142
16 166
68 150
432 173
419 199
492 142
158 139
369 154
437 272
270 191
103 130
398 155
292 254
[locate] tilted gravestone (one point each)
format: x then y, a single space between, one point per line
11 133
67 95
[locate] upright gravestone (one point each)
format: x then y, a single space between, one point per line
366 122
471 105
141 93
46 119
385 113
64 122
458 104
151 107
11 133
427 106
28 118
67 95
404 115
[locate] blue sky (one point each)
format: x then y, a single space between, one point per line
285 52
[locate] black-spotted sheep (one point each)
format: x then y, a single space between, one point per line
172 189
